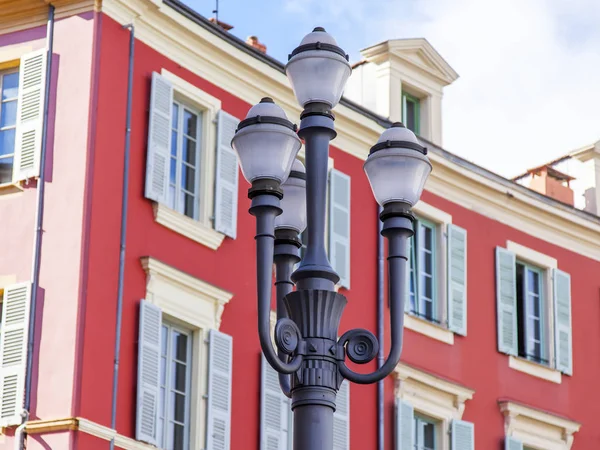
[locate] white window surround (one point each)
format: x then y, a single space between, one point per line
547 263
430 329
201 230
537 429
433 397
198 306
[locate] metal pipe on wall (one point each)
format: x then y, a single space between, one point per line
380 332
39 220
123 238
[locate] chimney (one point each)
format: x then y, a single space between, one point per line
253 41
221 24
549 181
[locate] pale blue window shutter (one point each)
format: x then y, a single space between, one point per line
512 443
274 410
339 225
226 177
462 435
457 279
405 428
13 351
562 321
148 376
506 301
159 139
220 354
30 115
341 418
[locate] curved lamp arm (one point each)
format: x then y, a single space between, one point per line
286 256
397 230
266 207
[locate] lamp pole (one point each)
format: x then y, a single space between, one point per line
286 199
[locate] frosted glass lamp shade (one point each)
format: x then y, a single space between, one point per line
397 167
293 203
266 143
318 69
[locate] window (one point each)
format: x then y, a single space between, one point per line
9 90
530 312
174 403
533 300
411 107
425 431
184 168
429 412
423 249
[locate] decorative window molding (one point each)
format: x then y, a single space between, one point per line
201 230
428 328
536 428
534 369
188 227
199 305
532 256
432 396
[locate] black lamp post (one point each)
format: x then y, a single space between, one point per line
311 360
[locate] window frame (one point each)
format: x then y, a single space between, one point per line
416 101
421 418
182 106
3 72
417 273
526 307
173 326
544 263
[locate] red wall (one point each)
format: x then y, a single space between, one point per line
472 361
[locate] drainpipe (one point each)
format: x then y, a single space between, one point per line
39 219
380 333
124 207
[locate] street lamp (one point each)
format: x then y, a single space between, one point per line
286 199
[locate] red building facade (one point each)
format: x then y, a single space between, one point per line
519 283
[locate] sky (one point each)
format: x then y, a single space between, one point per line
529 86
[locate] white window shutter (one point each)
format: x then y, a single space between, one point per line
272 402
463 435
341 418
13 351
148 376
506 301
457 279
405 428
220 353
339 225
226 177
30 115
512 443
159 139
562 321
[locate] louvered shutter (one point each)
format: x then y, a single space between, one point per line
457 279
506 301
405 429
30 115
13 351
339 225
512 443
159 139
218 430
272 414
562 321
226 184
148 381
463 435
341 418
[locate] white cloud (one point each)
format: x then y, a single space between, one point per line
528 89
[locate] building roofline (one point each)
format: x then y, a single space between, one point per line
381 121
